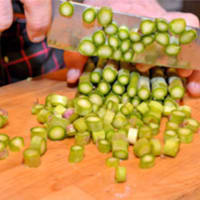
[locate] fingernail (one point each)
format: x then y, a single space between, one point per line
38 39
73 75
194 88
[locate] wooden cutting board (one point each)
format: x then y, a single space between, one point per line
56 179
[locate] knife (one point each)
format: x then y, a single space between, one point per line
66 33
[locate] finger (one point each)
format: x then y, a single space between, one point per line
38 16
75 63
143 67
184 72
6 14
193 85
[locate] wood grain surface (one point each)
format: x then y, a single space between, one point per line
56 179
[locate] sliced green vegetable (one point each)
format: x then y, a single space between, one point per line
66 9
89 15
76 154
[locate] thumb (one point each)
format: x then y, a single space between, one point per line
38 18
75 63
193 85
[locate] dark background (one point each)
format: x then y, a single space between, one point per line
192 6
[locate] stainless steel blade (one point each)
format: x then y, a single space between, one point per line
66 33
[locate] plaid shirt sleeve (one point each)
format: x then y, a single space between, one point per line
21 58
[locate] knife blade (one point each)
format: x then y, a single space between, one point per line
66 33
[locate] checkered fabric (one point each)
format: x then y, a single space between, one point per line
20 58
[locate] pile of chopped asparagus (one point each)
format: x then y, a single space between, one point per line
115 107
121 43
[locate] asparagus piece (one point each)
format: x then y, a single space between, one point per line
111 29
132 135
103 146
170 134
66 9
161 25
98 135
16 144
142 147
95 76
133 85
94 123
38 143
99 38
76 154
147 27
112 162
109 73
156 146
144 87
104 16
87 47
123 32
103 87
177 26
191 124
80 125
56 133
147 161
177 116
159 88
145 132
171 147
119 121
37 108
4 138
185 135
120 174
82 138
123 76
83 106
89 15
32 158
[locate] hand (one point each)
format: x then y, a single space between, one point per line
38 17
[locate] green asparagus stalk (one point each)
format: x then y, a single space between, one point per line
82 138
4 138
16 144
185 135
144 87
176 88
32 158
39 131
76 154
38 143
142 147
156 146
190 123
98 135
171 147
103 146
120 174
145 132
112 162
94 123
119 121
80 125
170 134
83 106
37 108
147 161
133 85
